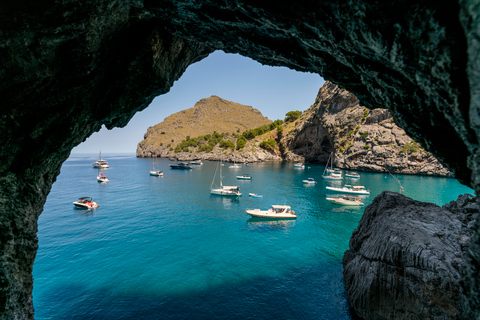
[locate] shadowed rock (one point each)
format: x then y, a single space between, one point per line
405 258
70 67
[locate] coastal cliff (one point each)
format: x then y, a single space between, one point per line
361 139
406 257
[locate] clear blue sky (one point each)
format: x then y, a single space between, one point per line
272 90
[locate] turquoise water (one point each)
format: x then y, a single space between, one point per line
164 248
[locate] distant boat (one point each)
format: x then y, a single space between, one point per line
154 172
254 195
352 174
350 189
181 166
102 178
309 181
223 190
100 163
299 165
276 212
245 177
331 174
85 203
346 200
196 163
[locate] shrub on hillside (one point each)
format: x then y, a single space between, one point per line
292 116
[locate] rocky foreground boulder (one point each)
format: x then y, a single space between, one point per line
406 257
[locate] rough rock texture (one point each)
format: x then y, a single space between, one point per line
361 139
405 258
208 115
68 67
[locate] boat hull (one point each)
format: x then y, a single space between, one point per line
81 205
244 178
156 173
343 190
254 195
225 192
257 213
345 202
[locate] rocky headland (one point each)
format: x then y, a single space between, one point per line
406 257
207 116
360 138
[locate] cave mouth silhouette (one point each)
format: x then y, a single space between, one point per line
69 68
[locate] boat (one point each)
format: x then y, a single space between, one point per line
245 177
181 166
155 172
254 195
223 190
85 203
276 211
196 163
100 163
352 174
350 189
299 165
331 173
346 200
309 181
235 166
102 178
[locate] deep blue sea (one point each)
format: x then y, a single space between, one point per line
164 248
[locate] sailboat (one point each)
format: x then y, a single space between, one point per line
223 190
154 172
331 174
101 164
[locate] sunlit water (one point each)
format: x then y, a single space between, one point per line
164 248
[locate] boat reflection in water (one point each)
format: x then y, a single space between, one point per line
266 224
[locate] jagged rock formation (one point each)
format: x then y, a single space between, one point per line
208 115
69 67
405 258
362 139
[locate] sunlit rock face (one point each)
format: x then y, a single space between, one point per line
70 67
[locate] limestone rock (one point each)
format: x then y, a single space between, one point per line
406 257
362 139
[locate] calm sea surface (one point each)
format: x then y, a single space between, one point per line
164 248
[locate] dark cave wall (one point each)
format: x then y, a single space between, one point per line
68 68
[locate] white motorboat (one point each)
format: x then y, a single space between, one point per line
85 203
350 189
102 178
244 177
100 163
346 200
223 190
331 174
309 181
299 165
254 195
276 212
352 175
235 166
196 163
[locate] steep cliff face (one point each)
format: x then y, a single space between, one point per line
405 258
70 67
361 139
